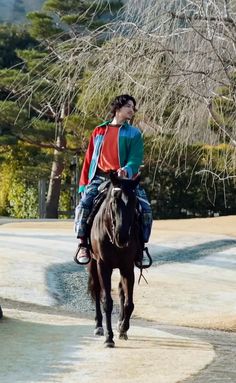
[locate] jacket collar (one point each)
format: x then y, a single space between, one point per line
105 123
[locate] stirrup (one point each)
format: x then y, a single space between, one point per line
76 258
139 263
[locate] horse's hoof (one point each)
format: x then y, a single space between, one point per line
123 335
99 331
109 344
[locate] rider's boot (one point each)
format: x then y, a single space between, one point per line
82 255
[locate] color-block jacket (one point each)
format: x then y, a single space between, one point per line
130 151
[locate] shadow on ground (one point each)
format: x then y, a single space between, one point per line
68 282
190 253
35 352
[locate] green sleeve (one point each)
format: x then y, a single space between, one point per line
135 155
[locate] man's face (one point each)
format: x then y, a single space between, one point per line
127 111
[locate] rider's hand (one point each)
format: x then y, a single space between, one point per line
122 173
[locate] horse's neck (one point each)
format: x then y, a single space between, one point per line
102 214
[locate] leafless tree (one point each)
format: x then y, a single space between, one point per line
178 58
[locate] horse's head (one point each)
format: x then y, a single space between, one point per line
122 209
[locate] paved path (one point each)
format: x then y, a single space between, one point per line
222 369
38 283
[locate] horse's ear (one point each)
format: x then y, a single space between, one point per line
114 177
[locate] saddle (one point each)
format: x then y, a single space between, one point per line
98 200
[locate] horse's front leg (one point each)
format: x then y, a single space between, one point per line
127 281
122 301
104 274
95 290
98 318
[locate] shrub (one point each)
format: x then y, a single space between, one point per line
23 200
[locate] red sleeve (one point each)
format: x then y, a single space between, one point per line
87 160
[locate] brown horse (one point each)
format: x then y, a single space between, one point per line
116 243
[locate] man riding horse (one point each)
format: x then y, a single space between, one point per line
114 145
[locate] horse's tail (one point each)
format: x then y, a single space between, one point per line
94 288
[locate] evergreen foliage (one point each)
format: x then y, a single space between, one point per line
41 120
23 200
13 37
189 192
21 165
42 25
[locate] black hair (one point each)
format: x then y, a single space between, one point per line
120 101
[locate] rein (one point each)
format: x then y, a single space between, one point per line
111 233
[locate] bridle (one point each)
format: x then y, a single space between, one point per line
111 232
112 220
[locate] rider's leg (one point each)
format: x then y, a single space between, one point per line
146 219
82 212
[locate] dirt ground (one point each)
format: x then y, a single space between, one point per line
192 283
215 225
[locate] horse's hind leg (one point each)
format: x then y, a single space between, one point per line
95 290
127 280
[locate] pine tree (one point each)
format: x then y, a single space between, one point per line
40 117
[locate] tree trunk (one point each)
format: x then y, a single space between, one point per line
54 187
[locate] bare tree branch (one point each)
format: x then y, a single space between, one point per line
176 58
